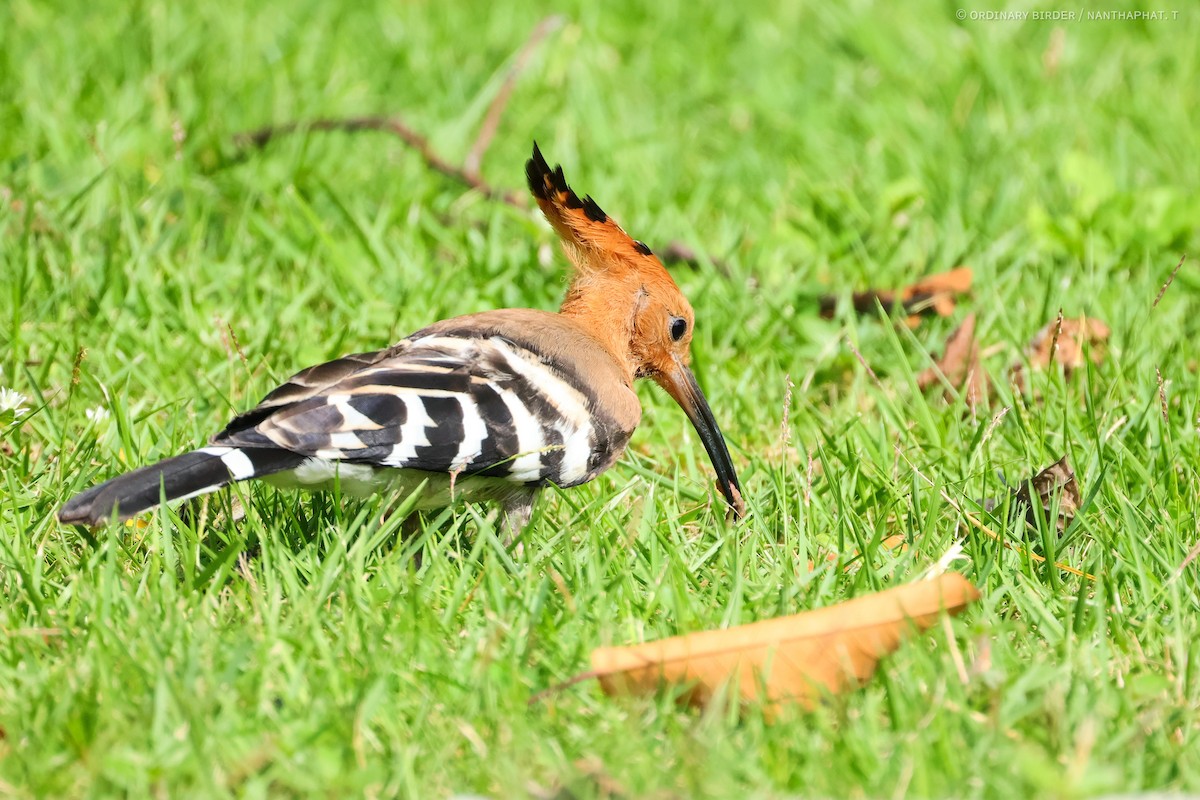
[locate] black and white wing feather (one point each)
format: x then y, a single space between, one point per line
472 396
462 404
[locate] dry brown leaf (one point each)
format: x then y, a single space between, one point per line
1058 479
1065 345
960 355
1061 341
935 294
960 366
940 290
978 525
794 658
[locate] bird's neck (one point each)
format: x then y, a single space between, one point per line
606 311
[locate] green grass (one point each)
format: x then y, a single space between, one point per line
302 651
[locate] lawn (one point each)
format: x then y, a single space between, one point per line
158 278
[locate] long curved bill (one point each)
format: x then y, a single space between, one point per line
681 385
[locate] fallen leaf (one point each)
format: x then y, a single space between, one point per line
934 294
1056 480
796 658
960 366
940 290
1062 341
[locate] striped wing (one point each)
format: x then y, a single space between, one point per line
476 405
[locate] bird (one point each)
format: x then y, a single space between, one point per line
492 406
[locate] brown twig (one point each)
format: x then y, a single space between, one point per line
537 697
864 303
263 136
932 295
491 122
677 252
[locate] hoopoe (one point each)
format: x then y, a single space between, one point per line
490 406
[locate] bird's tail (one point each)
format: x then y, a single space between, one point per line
195 473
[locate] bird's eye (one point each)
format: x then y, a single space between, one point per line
678 328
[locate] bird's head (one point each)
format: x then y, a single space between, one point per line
625 297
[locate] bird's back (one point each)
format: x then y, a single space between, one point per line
517 394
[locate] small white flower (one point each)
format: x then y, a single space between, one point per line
12 403
97 415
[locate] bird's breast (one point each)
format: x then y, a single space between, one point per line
437 489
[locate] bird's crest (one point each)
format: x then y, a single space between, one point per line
592 239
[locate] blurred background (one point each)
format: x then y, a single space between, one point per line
157 275
804 149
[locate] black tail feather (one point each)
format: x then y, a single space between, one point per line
188 475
